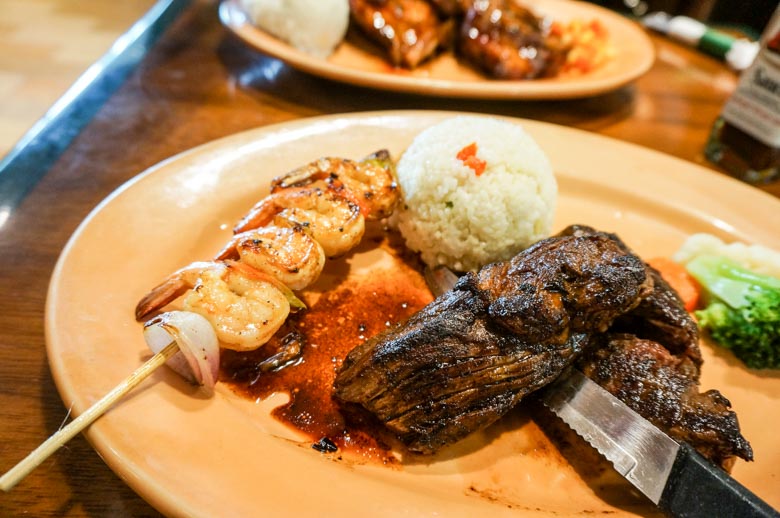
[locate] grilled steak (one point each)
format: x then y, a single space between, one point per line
468 357
580 297
650 360
662 317
579 281
664 388
448 372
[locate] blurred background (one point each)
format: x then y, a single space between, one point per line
45 45
750 16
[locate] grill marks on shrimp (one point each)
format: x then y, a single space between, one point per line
313 213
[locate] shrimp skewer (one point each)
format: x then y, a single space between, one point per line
370 182
329 216
289 254
245 306
313 212
282 244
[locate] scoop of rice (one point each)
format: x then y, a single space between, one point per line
456 217
313 26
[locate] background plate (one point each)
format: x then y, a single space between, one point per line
357 62
225 456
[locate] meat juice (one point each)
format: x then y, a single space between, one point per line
336 320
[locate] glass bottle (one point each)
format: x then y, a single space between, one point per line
745 140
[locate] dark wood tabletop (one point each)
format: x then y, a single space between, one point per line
199 83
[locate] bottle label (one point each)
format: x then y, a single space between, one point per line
755 105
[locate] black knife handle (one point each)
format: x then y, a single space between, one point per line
698 488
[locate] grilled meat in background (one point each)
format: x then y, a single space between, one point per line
512 45
447 8
466 359
499 37
410 31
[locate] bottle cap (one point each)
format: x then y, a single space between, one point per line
742 54
688 30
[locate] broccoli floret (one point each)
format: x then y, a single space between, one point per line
742 312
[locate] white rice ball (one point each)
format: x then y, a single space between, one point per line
458 218
313 26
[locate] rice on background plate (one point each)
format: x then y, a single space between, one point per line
312 26
475 190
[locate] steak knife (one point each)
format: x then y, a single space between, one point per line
672 475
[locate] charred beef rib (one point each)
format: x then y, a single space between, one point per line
467 358
582 296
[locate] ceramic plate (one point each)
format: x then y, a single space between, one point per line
357 62
191 455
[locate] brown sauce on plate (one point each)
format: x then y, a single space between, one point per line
336 320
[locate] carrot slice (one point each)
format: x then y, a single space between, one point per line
679 279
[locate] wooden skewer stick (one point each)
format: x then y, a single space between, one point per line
53 443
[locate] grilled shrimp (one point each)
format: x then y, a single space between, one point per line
371 182
289 254
328 215
245 306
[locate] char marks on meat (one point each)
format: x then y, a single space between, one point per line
581 297
434 384
467 358
650 359
664 388
577 281
662 317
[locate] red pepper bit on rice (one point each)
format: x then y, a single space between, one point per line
468 155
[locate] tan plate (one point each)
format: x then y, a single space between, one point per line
225 456
357 62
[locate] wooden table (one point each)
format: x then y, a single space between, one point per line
199 83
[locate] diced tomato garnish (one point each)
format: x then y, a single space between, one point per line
468 155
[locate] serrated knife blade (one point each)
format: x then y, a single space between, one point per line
638 450
672 475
